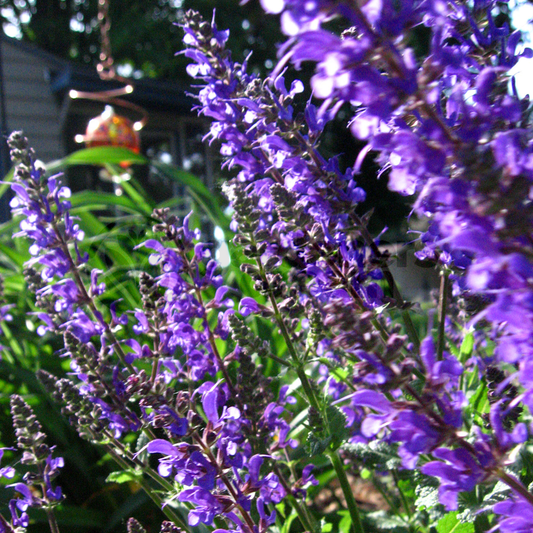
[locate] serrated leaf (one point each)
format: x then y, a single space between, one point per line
124 476
314 445
386 522
426 497
376 455
451 524
336 425
499 492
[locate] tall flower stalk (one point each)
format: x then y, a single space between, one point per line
292 204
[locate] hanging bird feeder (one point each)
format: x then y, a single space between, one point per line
110 129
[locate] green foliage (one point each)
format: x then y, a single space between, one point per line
467 347
411 499
387 523
124 476
451 524
331 435
376 455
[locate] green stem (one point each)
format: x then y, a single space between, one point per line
304 380
144 467
383 334
310 394
410 329
89 301
151 493
222 476
52 522
302 513
357 526
155 367
387 274
516 486
443 303
402 495
210 336
386 497
279 360
367 237
135 460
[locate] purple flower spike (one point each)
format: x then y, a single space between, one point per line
461 473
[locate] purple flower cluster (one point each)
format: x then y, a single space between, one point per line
444 127
219 436
183 371
36 489
305 201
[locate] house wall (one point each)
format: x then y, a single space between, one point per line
29 101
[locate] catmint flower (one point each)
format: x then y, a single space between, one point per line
36 489
458 472
516 515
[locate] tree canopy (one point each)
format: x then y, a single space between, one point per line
143 35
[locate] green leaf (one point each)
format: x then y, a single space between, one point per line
375 455
124 476
336 426
286 527
345 525
426 497
145 205
467 347
205 198
479 401
315 445
451 524
101 155
16 257
97 201
325 527
383 521
365 473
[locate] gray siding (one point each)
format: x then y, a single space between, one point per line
30 104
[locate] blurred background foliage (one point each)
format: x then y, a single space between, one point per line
144 36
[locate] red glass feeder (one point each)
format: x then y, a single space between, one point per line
110 129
